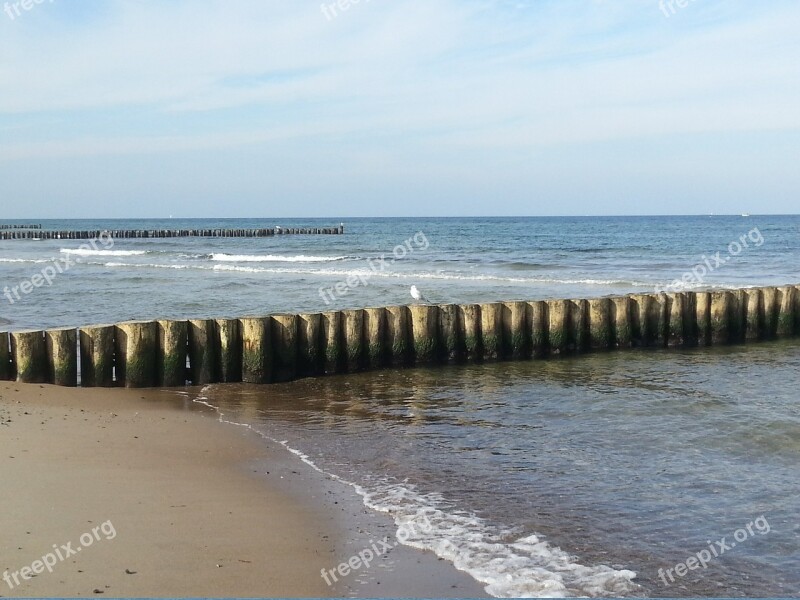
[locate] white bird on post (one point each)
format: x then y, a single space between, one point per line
417 295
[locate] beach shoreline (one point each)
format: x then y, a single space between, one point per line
173 502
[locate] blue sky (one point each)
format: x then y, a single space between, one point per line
138 108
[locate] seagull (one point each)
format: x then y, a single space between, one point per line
417 295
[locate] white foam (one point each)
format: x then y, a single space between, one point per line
90 252
27 260
237 269
146 266
300 258
527 567
368 274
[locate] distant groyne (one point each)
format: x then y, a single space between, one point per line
19 233
14 226
283 347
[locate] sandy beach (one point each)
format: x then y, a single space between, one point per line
186 518
163 500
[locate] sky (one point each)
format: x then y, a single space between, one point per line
281 108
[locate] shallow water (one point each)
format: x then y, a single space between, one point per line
562 477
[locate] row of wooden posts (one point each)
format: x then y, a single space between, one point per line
283 347
14 226
19 234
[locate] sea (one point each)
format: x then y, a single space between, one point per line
647 473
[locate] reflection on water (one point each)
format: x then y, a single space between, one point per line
632 460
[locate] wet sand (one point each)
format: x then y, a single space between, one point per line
164 500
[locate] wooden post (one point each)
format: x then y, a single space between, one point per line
677 324
796 309
97 355
720 317
469 324
787 317
354 339
703 317
284 347
691 328
203 351
675 308
578 325
310 359
375 328
30 356
62 350
516 330
256 350
660 319
398 334
621 319
601 330
650 319
228 341
452 346
6 373
640 326
425 332
136 352
771 305
754 324
172 351
333 342
558 326
738 316
492 331
540 329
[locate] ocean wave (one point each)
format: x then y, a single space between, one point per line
300 258
90 252
368 273
524 266
527 567
699 286
185 256
27 260
146 266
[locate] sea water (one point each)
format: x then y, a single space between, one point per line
377 260
588 476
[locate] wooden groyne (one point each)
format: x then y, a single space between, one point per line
7 226
283 347
19 233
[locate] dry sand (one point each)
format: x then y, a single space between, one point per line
182 505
